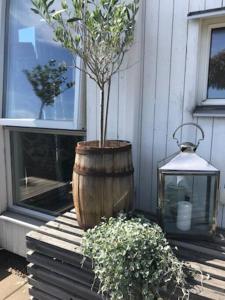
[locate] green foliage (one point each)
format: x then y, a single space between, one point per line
99 34
133 260
48 82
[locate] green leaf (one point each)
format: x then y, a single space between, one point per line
35 11
73 20
50 3
58 12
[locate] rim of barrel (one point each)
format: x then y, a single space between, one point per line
86 147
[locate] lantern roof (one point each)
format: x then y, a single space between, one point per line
188 162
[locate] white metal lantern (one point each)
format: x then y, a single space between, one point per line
187 192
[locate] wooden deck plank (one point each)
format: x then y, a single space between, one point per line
70 215
60 235
38 294
203 293
65 228
67 221
70 286
53 290
57 251
213 272
67 270
41 237
62 254
211 283
212 245
200 249
189 255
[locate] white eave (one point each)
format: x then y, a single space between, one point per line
208 13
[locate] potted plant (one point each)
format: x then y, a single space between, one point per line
100 33
133 260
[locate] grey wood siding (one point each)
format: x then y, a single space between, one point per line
156 91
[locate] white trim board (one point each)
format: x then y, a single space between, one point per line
208 13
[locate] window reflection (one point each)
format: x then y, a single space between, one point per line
48 82
30 44
42 166
216 79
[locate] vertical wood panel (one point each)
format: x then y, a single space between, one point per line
205 147
112 131
166 18
130 94
178 66
189 101
92 107
149 85
213 4
196 5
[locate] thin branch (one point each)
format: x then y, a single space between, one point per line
107 108
102 102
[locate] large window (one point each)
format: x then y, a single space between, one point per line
41 114
211 67
42 167
216 77
32 90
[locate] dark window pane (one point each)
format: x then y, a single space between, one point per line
189 203
42 167
31 46
216 80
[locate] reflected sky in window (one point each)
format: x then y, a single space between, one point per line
216 78
30 43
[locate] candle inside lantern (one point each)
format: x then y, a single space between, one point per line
184 213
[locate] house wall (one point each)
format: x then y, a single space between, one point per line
156 91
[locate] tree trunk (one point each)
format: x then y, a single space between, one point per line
107 109
41 110
102 117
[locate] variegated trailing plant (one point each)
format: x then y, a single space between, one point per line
99 32
133 261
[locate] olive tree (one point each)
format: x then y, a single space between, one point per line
99 32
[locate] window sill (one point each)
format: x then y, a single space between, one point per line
42 124
217 111
21 220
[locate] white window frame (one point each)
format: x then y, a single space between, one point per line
9 173
207 26
75 127
78 121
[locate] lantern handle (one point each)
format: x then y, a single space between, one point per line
189 124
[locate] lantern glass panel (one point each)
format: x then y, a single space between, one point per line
188 203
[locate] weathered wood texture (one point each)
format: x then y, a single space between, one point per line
102 181
55 272
155 91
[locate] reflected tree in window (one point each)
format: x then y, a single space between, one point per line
217 71
48 82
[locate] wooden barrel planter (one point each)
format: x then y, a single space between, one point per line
102 181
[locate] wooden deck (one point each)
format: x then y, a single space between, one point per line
55 258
